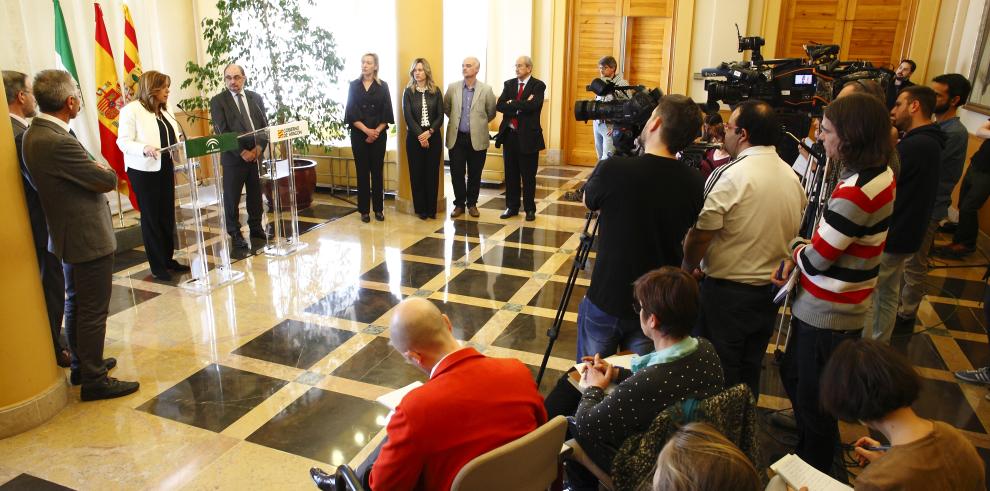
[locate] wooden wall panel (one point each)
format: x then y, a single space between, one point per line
648 8
648 51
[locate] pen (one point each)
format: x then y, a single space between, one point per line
880 448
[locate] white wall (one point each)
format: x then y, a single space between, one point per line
714 37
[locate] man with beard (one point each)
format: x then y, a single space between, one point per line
901 81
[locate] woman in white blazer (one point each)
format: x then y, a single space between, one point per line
146 126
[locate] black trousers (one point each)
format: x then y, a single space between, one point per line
53 287
808 351
424 172
369 161
156 198
235 178
519 165
973 193
87 302
738 319
464 155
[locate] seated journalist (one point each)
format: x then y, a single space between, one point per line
680 367
471 404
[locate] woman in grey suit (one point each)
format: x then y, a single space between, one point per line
422 108
146 127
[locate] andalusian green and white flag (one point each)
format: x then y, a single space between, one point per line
63 50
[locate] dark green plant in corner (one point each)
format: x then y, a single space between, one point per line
289 61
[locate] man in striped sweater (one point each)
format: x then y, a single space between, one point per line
839 266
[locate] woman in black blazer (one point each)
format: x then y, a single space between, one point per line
368 114
422 108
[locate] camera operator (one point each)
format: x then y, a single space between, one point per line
752 210
607 67
839 266
646 204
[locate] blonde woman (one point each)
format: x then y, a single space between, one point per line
146 127
422 108
699 458
368 114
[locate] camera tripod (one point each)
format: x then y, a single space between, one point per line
580 263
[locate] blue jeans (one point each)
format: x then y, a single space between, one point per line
604 334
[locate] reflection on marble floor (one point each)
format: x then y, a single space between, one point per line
250 386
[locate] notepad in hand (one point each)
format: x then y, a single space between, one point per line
392 399
799 473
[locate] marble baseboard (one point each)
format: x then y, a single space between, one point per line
29 414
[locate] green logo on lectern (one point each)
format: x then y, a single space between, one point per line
198 147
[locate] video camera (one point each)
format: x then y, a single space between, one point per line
627 116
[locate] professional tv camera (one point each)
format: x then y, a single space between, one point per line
627 116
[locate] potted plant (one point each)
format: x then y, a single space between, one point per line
289 61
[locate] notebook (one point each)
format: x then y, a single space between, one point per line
799 473
392 399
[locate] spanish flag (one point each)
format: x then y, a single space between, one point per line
132 62
109 100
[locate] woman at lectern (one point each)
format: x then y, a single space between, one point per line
146 127
368 114
422 108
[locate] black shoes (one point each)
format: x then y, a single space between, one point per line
238 241
379 216
74 375
177 266
323 480
365 217
422 216
162 275
530 216
260 234
108 388
508 213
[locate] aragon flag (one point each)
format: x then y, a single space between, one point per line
109 100
132 62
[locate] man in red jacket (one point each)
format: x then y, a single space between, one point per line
470 405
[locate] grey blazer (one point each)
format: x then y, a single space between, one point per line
482 111
227 118
71 187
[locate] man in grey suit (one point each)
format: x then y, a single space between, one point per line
71 186
240 111
22 106
469 106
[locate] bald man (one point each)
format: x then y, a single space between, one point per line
470 105
495 402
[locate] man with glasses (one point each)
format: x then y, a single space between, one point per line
608 68
753 208
71 186
240 111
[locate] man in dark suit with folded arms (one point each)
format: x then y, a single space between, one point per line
522 136
20 101
71 186
471 404
240 111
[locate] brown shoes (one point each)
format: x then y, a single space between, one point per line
458 211
473 211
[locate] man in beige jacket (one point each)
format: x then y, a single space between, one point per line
469 105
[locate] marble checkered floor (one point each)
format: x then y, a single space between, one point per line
252 385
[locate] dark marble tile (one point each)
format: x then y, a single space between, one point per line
466 319
145 275
27 482
566 210
469 228
128 259
439 248
565 269
959 318
188 236
549 296
956 288
945 401
327 212
294 343
213 397
482 284
556 171
539 236
977 353
529 333
304 227
919 350
354 303
550 378
123 298
553 182
406 273
496 203
770 382
539 193
379 364
515 257
322 425
774 442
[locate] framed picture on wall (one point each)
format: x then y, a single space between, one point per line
979 100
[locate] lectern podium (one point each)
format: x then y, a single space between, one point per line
198 191
277 165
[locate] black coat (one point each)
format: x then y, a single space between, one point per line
920 152
526 111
